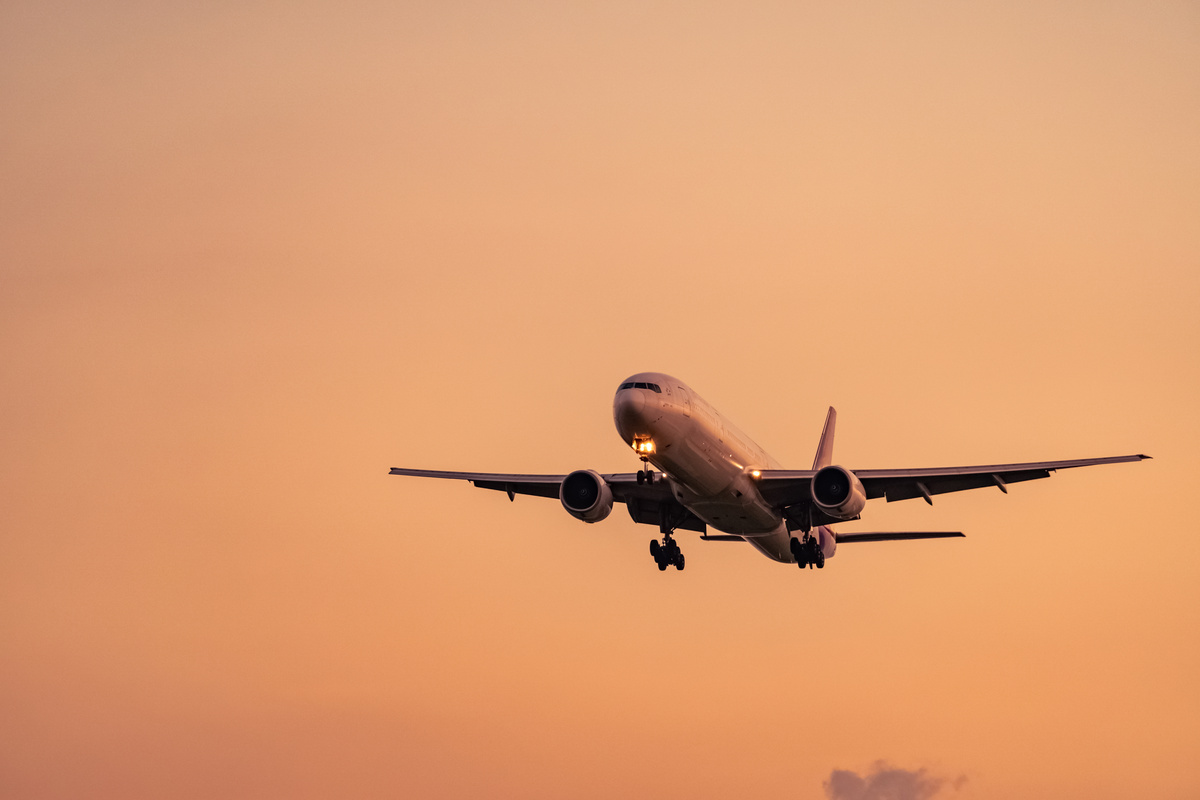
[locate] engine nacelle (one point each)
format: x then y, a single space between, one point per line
586 496
838 493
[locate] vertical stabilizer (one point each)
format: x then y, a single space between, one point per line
825 446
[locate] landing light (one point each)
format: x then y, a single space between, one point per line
644 445
756 474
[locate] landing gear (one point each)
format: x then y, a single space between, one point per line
667 553
807 552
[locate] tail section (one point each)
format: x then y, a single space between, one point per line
895 536
821 542
825 446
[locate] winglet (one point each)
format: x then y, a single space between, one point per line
825 446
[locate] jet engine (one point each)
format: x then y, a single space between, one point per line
586 496
838 493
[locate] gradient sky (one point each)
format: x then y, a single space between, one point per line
252 255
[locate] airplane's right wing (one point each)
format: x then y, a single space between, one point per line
512 483
648 503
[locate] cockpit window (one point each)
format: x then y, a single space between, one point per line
654 387
625 386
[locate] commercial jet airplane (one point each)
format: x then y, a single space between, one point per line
700 471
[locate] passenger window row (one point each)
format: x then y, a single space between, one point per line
640 385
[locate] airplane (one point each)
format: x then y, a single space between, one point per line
700 471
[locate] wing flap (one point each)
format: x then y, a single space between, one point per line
536 489
904 489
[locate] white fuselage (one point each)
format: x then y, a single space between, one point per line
709 464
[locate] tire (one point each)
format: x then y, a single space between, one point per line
655 549
679 563
662 566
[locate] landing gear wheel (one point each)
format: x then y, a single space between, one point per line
645 474
666 553
799 552
810 553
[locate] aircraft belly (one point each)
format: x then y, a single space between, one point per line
698 466
741 516
717 490
776 546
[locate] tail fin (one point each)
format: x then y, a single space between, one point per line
825 446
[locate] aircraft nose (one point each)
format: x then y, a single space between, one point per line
629 408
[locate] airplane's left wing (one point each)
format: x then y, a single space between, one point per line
905 484
786 487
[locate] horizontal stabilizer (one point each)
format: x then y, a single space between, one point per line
844 538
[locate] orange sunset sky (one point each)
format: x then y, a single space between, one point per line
254 254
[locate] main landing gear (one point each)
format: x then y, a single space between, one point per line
807 552
667 553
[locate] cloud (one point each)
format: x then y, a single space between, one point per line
884 782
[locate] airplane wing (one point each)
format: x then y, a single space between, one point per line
648 503
539 485
905 484
786 487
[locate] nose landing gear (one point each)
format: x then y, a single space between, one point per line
667 553
645 475
644 446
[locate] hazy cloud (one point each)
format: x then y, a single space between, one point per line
884 782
